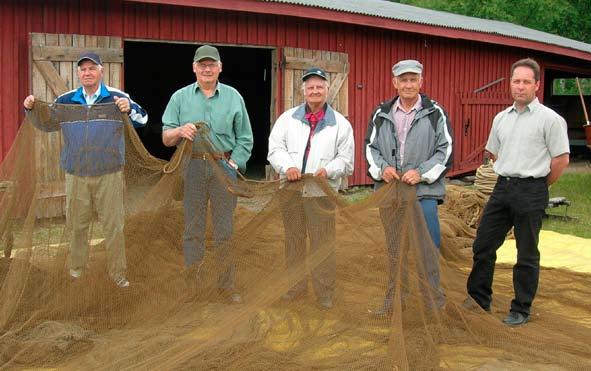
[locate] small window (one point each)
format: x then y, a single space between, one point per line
569 87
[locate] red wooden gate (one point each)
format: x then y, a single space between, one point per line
471 132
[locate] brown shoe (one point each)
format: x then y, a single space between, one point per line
473 305
230 295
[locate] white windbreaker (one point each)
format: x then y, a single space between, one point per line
332 146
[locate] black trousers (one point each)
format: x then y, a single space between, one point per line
518 203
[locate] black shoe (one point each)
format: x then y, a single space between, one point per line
472 305
325 303
516 319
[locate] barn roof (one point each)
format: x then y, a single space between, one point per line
406 18
408 13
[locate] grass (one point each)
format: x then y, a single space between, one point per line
576 187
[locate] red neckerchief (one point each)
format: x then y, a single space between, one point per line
313 119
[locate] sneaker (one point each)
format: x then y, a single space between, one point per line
121 281
75 273
516 319
230 295
382 311
325 303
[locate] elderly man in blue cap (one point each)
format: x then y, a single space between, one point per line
93 157
312 139
409 140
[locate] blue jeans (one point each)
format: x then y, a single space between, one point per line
392 220
203 185
429 207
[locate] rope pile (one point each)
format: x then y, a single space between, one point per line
485 178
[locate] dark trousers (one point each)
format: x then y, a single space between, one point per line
518 203
313 217
204 187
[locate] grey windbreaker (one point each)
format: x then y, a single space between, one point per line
428 146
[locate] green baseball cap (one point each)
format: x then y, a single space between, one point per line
206 52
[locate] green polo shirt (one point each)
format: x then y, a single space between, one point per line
225 114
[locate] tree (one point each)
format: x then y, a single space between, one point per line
567 18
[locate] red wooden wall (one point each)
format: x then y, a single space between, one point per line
453 67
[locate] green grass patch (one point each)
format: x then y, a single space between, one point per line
576 187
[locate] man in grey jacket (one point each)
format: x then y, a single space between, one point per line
409 140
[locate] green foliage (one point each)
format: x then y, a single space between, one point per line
568 18
576 187
569 86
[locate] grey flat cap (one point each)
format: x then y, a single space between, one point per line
406 66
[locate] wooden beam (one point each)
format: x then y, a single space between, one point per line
296 63
336 87
71 54
52 77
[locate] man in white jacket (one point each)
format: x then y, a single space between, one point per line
311 139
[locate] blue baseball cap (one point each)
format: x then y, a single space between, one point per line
314 71
91 57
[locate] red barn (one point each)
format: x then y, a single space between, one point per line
148 46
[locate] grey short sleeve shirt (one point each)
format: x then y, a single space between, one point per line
525 143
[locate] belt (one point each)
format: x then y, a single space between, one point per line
211 155
523 180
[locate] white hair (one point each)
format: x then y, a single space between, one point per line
100 67
325 84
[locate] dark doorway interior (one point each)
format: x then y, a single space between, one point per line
569 107
154 71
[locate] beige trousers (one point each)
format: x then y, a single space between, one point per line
105 194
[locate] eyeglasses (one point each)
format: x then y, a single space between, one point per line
203 66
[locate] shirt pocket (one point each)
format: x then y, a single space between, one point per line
223 124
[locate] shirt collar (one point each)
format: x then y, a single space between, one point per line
319 115
217 88
329 116
92 97
531 107
80 94
416 107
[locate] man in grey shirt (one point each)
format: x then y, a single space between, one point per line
530 144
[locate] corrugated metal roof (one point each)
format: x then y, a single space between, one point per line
408 13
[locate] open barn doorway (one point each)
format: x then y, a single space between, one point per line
155 70
562 95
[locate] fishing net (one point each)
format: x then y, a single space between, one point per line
173 317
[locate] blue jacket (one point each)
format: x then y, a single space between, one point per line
94 142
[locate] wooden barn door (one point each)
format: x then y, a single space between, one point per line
477 113
336 65
295 61
53 72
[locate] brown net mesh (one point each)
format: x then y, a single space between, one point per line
172 317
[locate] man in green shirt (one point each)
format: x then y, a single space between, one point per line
222 108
